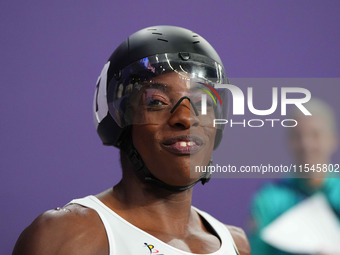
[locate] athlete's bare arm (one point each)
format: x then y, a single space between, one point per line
240 240
71 230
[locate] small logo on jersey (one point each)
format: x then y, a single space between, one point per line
152 249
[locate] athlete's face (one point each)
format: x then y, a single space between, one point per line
171 144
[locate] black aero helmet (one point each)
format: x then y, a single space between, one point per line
145 54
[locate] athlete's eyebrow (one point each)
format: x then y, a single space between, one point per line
157 85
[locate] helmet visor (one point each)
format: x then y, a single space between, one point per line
151 90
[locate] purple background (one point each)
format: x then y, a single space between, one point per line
51 55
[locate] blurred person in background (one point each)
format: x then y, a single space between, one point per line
313 141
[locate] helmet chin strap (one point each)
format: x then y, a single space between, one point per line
145 173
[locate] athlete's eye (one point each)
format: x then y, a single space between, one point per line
210 102
198 102
155 99
154 102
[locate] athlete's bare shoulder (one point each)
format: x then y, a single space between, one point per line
69 230
240 239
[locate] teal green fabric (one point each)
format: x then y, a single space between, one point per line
276 198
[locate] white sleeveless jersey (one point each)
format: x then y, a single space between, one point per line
126 239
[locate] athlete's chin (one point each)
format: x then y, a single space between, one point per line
183 182
177 170
187 165
178 174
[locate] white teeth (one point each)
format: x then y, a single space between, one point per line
183 144
186 144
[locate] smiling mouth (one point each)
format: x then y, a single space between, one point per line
183 145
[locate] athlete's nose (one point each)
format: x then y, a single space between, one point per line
183 115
